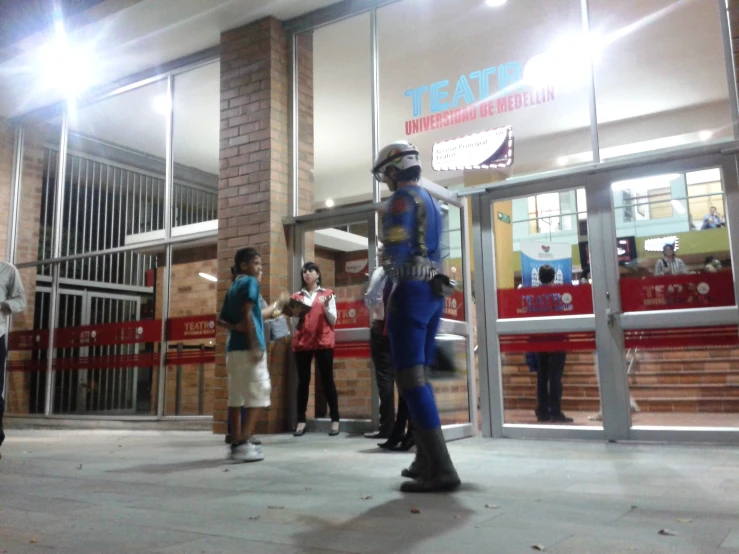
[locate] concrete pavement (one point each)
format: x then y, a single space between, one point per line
104 491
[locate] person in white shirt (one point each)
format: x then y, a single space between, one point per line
12 301
669 264
381 354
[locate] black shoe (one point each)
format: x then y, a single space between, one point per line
390 444
229 438
542 417
440 475
405 445
560 418
376 435
300 433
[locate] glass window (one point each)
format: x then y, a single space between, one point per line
335 115
674 228
115 173
36 209
195 147
465 68
660 76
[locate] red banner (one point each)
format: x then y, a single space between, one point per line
454 306
359 349
677 292
192 327
352 314
28 340
545 301
130 332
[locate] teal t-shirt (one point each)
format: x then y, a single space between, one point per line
244 289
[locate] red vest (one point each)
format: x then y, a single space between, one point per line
313 331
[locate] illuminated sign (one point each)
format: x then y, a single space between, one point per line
656 245
484 150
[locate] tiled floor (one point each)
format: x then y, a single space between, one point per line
103 491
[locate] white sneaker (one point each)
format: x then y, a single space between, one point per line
246 452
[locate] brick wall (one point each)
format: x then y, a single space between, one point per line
27 242
253 193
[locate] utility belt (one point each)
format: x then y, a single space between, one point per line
421 270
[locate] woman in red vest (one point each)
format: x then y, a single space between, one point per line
314 336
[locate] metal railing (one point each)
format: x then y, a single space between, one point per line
106 202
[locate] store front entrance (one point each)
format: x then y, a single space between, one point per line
631 331
344 245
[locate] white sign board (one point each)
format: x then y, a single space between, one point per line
484 150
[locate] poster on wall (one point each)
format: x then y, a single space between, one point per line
536 254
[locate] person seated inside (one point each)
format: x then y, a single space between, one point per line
670 264
711 265
713 220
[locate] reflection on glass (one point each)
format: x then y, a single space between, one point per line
36 210
631 75
336 134
195 144
449 379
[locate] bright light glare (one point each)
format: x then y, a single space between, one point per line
566 63
162 104
679 208
705 135
495 3
329 203
562 160
208 277
65 67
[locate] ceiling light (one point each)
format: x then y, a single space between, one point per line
562 160
63 66
657 244
208 277
705 135
329 203
495 3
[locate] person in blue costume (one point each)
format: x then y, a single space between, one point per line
412 229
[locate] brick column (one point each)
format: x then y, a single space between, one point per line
253 191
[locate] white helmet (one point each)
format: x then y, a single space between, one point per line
401 155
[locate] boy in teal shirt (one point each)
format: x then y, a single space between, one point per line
246 360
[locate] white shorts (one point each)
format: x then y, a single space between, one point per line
248 382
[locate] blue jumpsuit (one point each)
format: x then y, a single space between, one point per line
412 228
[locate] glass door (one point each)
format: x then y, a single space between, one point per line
538 300
344 249
675 280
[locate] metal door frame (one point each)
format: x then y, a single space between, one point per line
607 321
86 307
301 225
